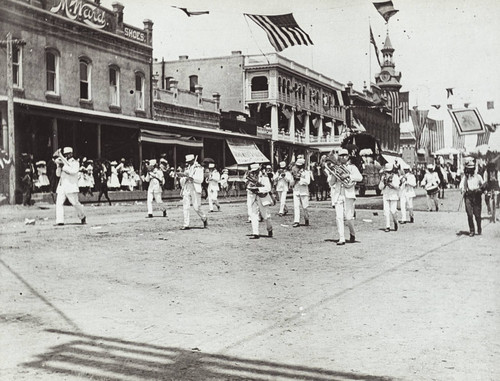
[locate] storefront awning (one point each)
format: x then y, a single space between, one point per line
246 152
159 137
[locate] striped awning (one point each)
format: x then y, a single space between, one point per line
159 137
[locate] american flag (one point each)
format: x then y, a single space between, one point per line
419 119
458 140
436 134
393 100
282 30
400 106
372 41
483 138
386 9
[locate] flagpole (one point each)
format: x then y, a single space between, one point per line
369 55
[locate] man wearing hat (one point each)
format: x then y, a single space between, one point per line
259 200
389 185
155 179
282 179
191 190
224 182
407 193
471 187
213 187
431 184
343 193
302 178
68 185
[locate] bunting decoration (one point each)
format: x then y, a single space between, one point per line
191 13
436 134
449 92
282 30
458 141
372 41
404 107
490 105
467 121
483 139
436 106
393 103
386 9
419 119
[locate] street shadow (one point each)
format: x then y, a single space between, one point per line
463 232
111 359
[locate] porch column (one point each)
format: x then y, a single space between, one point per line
274 121
99 141
5 131
55 135
320 128
307 128
291 124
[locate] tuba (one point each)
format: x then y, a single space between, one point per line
339 171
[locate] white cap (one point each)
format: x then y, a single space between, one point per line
211 165
189 157
152 162
41 162
343 151
254 167
282 164
113 162
389 167
300 161
162 160
67 150
430 166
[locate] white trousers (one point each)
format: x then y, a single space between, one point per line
188 199
300 199
405 202
282 195
256 207
73 199
212 198
344 209
390 210
157 197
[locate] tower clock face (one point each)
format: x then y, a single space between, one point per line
385 76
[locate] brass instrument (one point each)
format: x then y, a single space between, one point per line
339 171
297 174
252 182
387 179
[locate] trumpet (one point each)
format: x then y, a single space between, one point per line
297 174
339 171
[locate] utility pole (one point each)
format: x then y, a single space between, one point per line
11 149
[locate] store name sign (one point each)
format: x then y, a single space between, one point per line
83 11
134 34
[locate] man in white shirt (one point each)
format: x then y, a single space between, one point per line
282 179
67 188
190 182
302 178
259 200
343 193
155 179
407 194
389 185
213 187
471 187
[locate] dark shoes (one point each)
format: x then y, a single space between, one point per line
218 208
306 223
205 223
471 234
164 213
149 216
254 236
270 233
59 224
185 228
387 230
352 238
411 220
395 226
479 231
295 225
83 220
340 243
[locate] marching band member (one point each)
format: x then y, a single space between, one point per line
259 199
343 193
224 182
190 182
67 188
282 179
389 185
407 193
155 179
302 178
213 187
431 184
471 188
42 183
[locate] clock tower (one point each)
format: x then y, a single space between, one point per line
388 78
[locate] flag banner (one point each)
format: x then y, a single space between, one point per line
458 141
393 103
436 134
287 113
419 119
450 106
466 105
490 105
423 142
483 138
467 121
449 92
437 107
404 107
282 30
372 41
386 9
191 13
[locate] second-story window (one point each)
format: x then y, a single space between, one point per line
139 91
85 79
193 81
52 71
17 66
114 86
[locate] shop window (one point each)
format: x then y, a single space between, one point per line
17 66
85 79
52 71
139 91
193 81
114 86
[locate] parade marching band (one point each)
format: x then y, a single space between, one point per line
264 187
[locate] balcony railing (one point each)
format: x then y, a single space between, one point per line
185 99
260 94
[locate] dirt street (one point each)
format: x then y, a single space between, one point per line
130 298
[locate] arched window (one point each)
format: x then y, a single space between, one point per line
193 81
17 68
52 70
114 86
259 83
85 78
139 91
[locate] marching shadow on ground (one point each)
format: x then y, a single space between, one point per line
111 359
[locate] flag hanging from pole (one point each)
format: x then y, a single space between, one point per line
191 13
282 30
386 9
436 134
419 119
483 138
372 41
393 100
458 140
449 92
404 107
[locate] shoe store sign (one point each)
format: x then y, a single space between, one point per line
80 10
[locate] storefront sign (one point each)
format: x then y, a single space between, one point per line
81 10
245 152
134 34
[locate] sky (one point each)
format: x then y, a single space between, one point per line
438 44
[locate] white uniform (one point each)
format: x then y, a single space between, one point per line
191 191
68 189
390 197
282 179
156 181
407 194
260 204
213 189
343 198
301 196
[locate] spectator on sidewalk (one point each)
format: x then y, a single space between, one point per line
26 187
471 187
